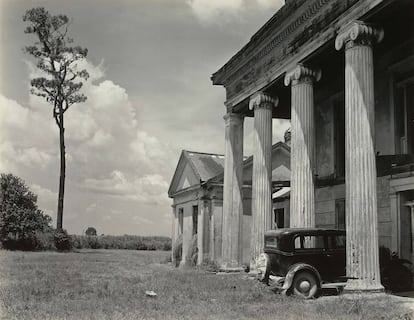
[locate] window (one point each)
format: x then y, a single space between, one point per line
340 214
404 114
272 242
180 220
279 218
339 136
195 219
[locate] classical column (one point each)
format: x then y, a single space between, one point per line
360 168
262 172
233 194
174 233
187 236
302 157
203 227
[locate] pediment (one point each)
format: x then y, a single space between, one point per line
184 176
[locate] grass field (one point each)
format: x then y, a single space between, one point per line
111 284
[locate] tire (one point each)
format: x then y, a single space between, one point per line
305 285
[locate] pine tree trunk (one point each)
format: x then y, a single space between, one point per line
62 172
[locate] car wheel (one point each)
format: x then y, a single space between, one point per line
305 285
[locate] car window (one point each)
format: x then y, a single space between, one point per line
309 242
272 242
337 241
340 241
298 243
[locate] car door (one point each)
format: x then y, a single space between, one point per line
310 249
336 256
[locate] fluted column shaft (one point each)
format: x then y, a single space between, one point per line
203 234
233 193
360 167
302 161
175 233
262 172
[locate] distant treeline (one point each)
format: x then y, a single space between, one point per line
128 242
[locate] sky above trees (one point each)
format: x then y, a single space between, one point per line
149 97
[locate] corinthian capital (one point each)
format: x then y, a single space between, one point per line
301 73
358 33
261 100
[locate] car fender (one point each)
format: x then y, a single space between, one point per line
295 269
402 261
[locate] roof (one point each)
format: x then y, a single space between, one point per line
280 174
209 167
206 165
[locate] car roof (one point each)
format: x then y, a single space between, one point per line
295 231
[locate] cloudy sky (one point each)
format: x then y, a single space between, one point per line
149 97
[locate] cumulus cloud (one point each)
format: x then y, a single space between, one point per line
107 152
216 11
149 189
226 11
43 194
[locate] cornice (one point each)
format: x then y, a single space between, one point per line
314 33
248 56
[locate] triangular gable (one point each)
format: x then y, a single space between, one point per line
184 176
188 178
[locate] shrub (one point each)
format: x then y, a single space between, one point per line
91 231
193 252
45 240
166 246
63 241
210 266
20 219
178 250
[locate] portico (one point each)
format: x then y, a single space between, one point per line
314 63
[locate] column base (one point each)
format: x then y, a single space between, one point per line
358 287
225 269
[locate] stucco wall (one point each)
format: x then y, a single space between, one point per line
384 212
325 205
324 139
326 215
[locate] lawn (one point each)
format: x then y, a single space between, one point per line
111 284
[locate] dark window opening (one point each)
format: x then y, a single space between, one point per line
404 116
180 220
339 137
195 219
279 218
340 214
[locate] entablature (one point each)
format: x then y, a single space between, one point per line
295 32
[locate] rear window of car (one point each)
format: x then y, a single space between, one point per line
337 241
309 242
272 242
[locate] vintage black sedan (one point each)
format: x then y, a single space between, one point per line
300 261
